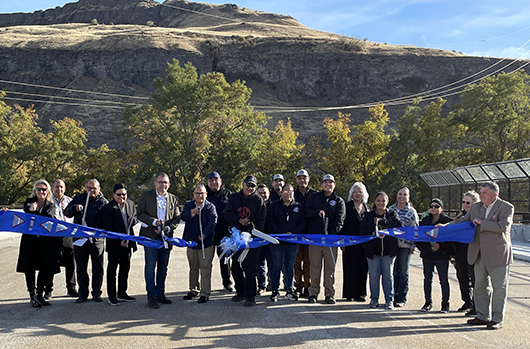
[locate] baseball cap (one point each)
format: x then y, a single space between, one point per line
328 176
302 173
214 175
251 179
277 176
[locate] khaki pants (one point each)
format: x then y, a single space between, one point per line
316 254
202 266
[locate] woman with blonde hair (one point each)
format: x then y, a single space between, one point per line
354 264
465 272
39 253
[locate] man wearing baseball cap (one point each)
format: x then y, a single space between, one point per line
218 196
277 184
302 279
325 213
246 210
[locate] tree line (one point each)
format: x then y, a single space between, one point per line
194 124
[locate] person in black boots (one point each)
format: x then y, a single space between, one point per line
39 252
434 254
119 216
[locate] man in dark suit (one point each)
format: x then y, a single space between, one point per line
158 211
491 253
119 216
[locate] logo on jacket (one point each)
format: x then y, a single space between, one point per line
332 203
243 212
296 209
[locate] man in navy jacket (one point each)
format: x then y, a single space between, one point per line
200 217
320 208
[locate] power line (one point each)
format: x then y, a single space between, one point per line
72 90
64 103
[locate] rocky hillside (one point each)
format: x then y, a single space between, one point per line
285 63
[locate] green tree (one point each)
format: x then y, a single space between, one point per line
425 141
194 124
279 153
28 154
356 153
497 112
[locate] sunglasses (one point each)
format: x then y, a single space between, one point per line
467 202
250 185
41 189
434 206
121 194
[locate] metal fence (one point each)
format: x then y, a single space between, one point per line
513 178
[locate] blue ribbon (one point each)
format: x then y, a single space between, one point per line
462 232
26 223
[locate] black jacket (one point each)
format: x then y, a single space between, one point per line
387 246
335 209
192 228
352 222
301 198
39 252
252 208
219 199
112 221
93 217
446 248
283 219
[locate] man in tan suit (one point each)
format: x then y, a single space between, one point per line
491 254
158 211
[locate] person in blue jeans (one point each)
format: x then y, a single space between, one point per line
284 216
409 217
381 252
435 255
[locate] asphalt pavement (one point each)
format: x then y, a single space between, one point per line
225 324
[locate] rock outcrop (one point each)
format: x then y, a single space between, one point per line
285 63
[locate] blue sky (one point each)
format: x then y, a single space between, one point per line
474 27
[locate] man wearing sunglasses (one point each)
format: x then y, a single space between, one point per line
85 208
119 216
246 210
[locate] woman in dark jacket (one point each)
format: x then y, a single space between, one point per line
465 272
381 253
39 252
354 264
437 255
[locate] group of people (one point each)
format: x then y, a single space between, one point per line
482 266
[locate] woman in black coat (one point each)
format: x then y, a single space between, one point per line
39 252
435 255
381 252
354 264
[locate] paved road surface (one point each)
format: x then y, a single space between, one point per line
221 323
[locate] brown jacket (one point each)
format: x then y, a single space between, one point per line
492 236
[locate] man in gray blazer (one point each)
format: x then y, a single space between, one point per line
491 254
158 211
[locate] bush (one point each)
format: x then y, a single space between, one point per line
150 23
94 22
